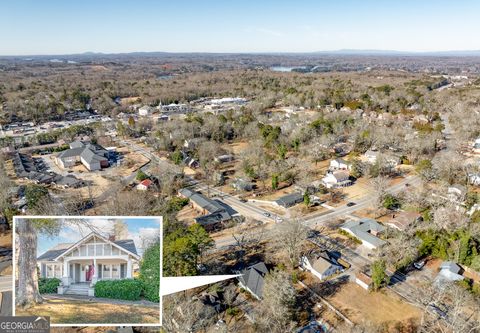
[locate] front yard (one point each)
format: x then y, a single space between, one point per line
62 311
377 307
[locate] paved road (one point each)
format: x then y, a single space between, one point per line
315 220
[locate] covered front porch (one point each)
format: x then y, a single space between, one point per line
89 271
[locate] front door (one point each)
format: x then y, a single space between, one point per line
89 273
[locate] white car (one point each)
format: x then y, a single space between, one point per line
419 264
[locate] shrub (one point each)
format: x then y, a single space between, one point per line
127 289
150 273
48 286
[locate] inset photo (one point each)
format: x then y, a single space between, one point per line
88 270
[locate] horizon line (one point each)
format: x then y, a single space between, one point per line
385 52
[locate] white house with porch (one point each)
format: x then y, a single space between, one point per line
93 258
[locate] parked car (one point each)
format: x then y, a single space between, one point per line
350 204
266 214
419 264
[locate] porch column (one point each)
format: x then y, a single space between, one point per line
129 268
65 275
95 273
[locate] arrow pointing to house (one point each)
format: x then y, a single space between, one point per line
170 285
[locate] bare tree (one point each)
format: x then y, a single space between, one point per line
290 236
379 187
275 312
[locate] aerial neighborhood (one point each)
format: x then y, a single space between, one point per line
341 192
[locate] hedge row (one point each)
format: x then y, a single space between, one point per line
150 273
48 286
127 289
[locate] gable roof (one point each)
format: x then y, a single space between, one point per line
146 182
341 161
362 228
321 261
54 252
62 249
253 278
290 199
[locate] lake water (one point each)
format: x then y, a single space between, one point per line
284 68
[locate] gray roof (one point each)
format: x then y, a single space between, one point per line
55 251
362 228
202 201
127 244
451 266
321 261
89 156
341 161
88 151
77 144
71 152
290 199
253 278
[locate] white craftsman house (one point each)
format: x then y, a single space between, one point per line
93 258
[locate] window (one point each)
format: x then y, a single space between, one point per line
115 251
49 271
58 272
106 272
123 270
115 272
99 249
107 249
83 250
90 249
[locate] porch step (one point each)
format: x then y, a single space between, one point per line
77 290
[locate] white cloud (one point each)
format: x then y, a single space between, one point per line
144 237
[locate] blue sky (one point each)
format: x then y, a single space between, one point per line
62 27
138 229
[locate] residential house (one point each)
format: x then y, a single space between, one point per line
363 280
92 156
144 185
321 264
371 156
252 279
224 158
214 213
242 185
289 200
449 272
337 179
366 230
91 259
402 220
145 110
474 179
191 162
340 164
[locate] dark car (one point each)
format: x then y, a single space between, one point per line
350 204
